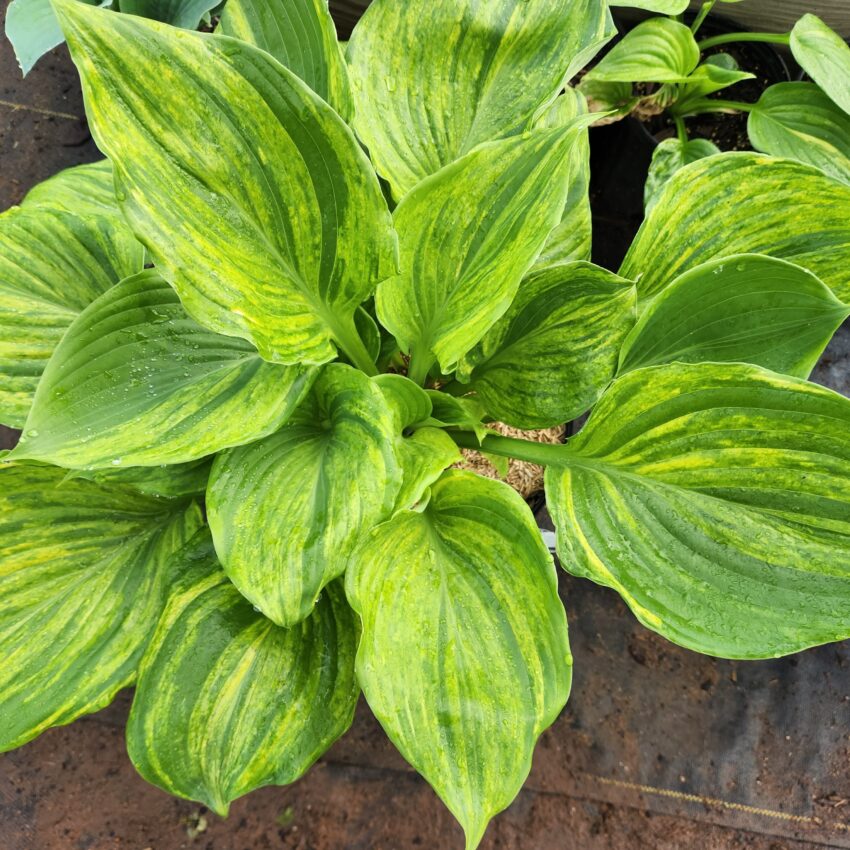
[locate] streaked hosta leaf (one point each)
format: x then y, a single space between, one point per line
825 57
467 235
287 511
746 308
663 7
257 203
433 80
715 498
425 453
301 35
52 266
227 701
32 28
137 382
167 482
180 13
667 158
744 203
571 238
82 582
548 359
81 190
659 50
464 657
799 121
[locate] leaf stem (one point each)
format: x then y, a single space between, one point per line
732 37
681 130
352 346
703 13
539 453
707 104
420 364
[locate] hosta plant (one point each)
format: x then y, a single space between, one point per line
247 348
661 67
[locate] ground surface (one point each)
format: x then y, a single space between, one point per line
659 749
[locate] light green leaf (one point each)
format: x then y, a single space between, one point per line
425 453
548 359
571 239
744 203
52 266
659 50
136 382
746 308
226 700
714 74
82 582
617 99
430 586
434 80
286 512
257 203
81 190
467 414
824 56
180 13
662 7
301 35
798 121
467 236
715 498
167 482
667 158
32 28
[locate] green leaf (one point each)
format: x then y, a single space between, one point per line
83 576
257 203
715 498
167 482
425 453
434 80
716 73
668 157
659 50
464 657
179 13
286 512
467 236
571 239
226 700
52 266
798 121
32 28
82 190
744 203
548 359
824 56
617 99
301 35
662 7
467 414
746 308
136 382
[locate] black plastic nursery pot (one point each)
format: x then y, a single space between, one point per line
658 748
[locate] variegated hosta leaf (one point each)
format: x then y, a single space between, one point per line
746 308
287 511
667 158
744 203
52 266
715 498
167 482
227 701
257 203
423 454
180 13
464 656
467 236
548 359
81 190
434 79
301 35
572 236
824 56
83 577
799 121
717 72
662 7
659 50
137 382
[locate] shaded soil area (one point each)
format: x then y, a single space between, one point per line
658 749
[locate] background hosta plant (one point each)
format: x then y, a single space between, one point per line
247 349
